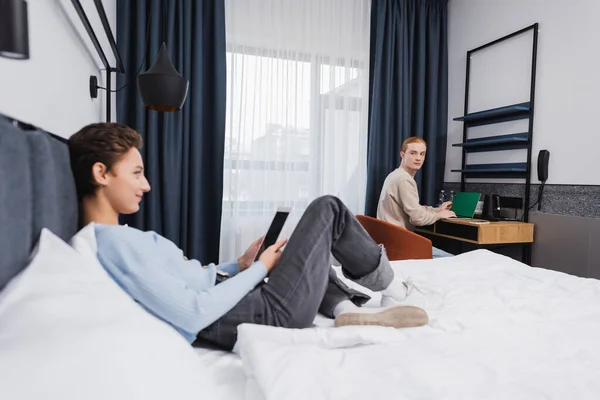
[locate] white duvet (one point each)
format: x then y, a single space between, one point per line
498 330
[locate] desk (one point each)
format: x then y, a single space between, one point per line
486 234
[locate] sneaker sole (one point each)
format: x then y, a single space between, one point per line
396 317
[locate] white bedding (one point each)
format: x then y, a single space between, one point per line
226 372
498 330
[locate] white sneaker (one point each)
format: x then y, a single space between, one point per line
397 316
414 297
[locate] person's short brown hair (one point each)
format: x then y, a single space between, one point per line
410 140
105 143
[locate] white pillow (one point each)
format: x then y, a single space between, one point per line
84 241
67 331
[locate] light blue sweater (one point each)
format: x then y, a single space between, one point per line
153 271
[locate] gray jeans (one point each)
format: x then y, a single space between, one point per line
439 253
303 283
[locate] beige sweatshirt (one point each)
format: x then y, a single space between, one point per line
399 202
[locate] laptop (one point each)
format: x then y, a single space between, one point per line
464 204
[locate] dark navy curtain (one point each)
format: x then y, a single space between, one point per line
408 91
183 151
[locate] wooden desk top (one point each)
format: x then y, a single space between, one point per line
492 232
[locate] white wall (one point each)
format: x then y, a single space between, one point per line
51 89
567 84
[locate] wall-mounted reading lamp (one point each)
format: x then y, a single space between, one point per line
14 29
113 45
161 87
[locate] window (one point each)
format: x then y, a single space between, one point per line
278 126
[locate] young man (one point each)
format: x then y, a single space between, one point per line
399 199
194 299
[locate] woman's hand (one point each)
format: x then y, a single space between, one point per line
270 257
245 261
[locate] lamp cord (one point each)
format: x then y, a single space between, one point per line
539 199
164 22
143 58
538 202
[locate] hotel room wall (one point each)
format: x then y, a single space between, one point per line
565 122
567 83
51 89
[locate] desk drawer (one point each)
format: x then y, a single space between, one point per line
428 228
469 232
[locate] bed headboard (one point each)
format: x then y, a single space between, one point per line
37 190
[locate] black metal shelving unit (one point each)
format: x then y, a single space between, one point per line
495 143
503 170
495 115
512 141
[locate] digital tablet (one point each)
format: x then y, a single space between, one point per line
274 230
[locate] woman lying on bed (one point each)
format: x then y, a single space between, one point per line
198 302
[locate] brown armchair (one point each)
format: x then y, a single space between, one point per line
400 243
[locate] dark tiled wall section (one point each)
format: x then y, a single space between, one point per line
567 228
580 201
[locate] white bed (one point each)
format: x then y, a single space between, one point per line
498 330
226 367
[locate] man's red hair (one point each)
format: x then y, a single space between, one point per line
410 140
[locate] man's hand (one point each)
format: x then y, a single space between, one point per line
446 214
270 257
446 205
245 261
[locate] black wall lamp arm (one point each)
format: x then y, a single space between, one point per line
118 68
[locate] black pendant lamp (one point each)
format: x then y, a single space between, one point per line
14 32
161 87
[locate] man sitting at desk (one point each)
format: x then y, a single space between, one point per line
399 199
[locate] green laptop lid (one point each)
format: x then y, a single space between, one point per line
465 203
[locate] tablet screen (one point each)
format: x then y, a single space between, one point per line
274 230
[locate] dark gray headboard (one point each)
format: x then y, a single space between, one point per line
36 191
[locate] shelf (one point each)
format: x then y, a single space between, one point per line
506 170
495 115
495 143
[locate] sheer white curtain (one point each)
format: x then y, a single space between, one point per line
297 109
